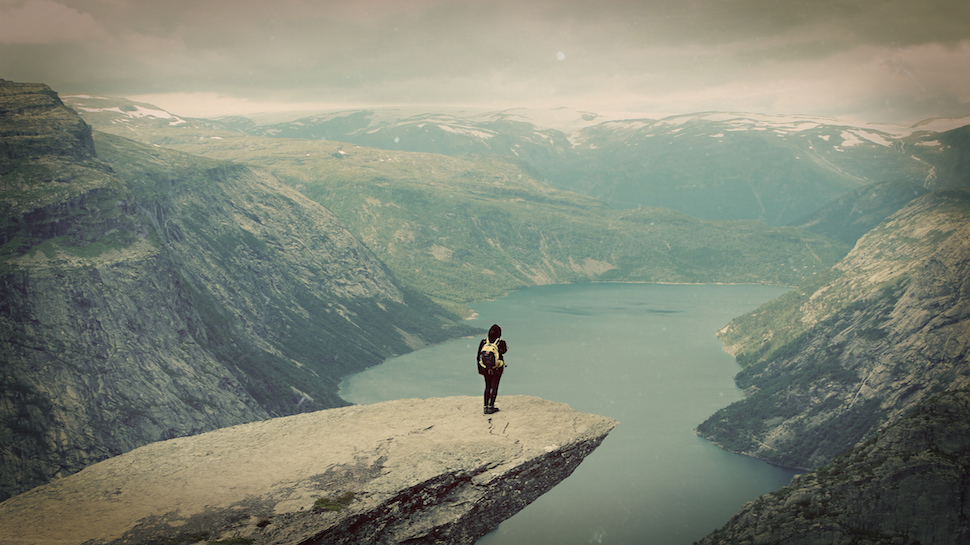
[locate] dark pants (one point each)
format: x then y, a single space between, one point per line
491 387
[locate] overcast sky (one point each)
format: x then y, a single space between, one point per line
886 61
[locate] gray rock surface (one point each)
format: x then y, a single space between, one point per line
147 294
909 484
829 364
34 122
416 471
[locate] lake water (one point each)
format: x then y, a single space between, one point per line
644 354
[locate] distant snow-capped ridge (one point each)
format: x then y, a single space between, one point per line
563 119
120 107
797 122
852 133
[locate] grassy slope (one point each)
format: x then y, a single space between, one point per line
474 228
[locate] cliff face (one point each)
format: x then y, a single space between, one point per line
34 122
406 471
908 484
865 376
829 364
147 294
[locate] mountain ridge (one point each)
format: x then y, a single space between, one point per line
148 294
471 227
714 165
884 330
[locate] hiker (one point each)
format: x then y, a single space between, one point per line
491 363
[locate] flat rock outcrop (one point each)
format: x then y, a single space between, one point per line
415 471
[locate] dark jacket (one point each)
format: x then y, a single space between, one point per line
494 333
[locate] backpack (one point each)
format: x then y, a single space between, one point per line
488 356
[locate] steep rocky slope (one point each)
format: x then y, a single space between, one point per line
829 364
405 471
36 124
146 294
908 484
854 214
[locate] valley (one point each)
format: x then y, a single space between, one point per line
164 276
462 228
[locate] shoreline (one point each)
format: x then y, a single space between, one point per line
474 314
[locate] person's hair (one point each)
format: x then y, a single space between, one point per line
494 332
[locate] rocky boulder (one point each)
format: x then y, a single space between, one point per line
415 471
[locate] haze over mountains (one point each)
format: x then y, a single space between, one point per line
161 257
717 165
471 226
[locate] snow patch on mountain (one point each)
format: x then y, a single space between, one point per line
468 131
135 111
854 138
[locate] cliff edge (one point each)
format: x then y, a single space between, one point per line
416 471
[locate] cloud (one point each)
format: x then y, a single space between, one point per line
812 56
45 22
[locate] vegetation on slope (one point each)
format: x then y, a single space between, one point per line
462 229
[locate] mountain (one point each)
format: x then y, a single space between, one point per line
858 375
907 484
715 165
854 214
720 165
712 165
469 228
862 376
147 294
829 364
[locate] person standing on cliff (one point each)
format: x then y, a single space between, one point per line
490 360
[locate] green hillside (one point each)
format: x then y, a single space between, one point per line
463 229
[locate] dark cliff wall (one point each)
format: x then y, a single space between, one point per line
863 375
829 364
908 484
147 294
36 123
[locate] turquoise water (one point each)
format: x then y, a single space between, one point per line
644 354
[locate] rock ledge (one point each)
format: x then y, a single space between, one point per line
420 471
